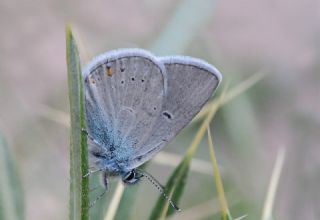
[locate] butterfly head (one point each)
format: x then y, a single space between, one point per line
131 177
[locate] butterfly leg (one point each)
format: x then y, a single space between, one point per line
97 199
106 184
105 180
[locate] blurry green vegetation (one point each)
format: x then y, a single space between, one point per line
121 206
175 184
243 162
11 193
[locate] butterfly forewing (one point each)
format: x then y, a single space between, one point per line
124 93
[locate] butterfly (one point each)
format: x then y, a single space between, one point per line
136 103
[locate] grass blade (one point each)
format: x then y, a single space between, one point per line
114 204
273 185
127 202
241 217
243 86
11 195
79 186
174 189
218 182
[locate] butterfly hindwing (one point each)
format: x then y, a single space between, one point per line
190 83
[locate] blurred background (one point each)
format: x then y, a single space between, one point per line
241 38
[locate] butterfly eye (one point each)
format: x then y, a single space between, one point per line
130 177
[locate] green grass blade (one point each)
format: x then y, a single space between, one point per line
241 217
79 198
127 201
273 185
11 194
218 182
174 189
114 204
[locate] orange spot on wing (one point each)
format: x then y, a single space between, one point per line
109 71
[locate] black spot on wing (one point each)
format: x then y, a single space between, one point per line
167 115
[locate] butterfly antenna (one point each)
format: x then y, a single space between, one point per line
91 172
159 187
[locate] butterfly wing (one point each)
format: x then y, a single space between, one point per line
190 84
124 92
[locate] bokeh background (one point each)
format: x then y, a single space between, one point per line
241 38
